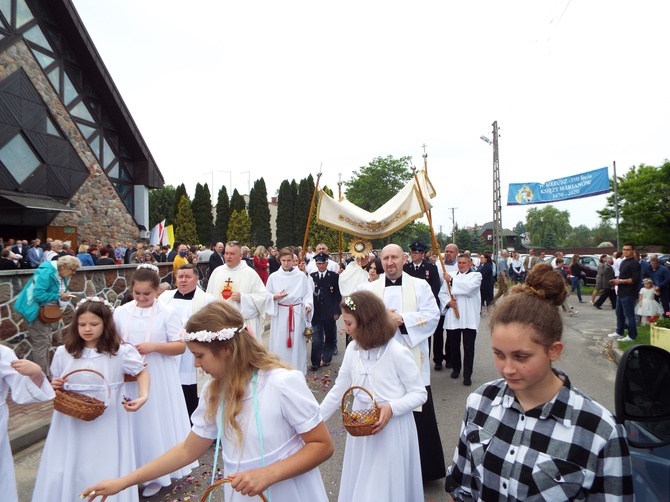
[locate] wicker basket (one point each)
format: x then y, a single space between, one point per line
77 405
220 482
359 422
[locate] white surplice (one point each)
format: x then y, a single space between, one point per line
420 324
24 391
78 454
289 315
384 466
185 309
352 277
253 293
465 289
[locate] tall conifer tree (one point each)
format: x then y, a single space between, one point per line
285 210
222 216
259 214
202 213
185 230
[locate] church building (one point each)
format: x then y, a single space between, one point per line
73 164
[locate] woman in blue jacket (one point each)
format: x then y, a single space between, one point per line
48 285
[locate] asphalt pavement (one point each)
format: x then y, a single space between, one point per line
588 359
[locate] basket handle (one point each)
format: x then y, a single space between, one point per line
109 390
220 482
351 389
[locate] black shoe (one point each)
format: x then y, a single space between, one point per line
596 306
336 352
454 374
438 367
447 364
467 382
324 364
314 368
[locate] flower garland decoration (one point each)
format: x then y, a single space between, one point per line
210 336
149 266
95 299
349 302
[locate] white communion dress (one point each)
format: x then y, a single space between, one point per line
78 454
286 409
383 467
24 391
163 420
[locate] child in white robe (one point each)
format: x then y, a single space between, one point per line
153 328
289 302
272 437
385 465
77 452
28 385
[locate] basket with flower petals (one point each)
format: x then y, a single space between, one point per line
359 422
220 482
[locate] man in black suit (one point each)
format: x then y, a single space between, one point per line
216 258
327 300
422 269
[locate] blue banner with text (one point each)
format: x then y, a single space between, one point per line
571 187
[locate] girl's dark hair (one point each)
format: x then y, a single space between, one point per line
534 304
145 275
108 343
378 266
374 326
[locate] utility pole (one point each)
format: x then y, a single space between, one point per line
453 225
497 209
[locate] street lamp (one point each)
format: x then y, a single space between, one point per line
213 190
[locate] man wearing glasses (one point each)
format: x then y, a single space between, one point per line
628 287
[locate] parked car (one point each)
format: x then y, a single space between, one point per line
590 267
642 406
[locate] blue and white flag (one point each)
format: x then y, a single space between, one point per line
571 187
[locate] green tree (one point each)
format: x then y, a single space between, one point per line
539 221
519 228
180 191
466 239
644 205
549 240
373 185
161 205
184 226
239 227
580 236
237 202
285 209
259 214
604 232
302 204
202 213
222 216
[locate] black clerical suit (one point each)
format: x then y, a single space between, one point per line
327 300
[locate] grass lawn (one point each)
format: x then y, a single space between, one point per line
643 338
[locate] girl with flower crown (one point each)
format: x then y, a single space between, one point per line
385 465
272 435
77 452
153 328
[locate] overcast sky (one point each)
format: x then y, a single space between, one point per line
273 89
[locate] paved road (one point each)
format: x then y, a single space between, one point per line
585 359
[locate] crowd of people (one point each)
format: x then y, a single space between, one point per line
155 352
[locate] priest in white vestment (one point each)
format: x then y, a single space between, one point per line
290 303
412 305
238 283
186 300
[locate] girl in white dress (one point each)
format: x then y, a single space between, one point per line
153 328
384 466
77 452
647 306
289 303
273 437
28 385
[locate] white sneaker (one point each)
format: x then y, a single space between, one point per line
614 335
626 339
151 489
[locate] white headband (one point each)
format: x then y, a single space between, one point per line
210 336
